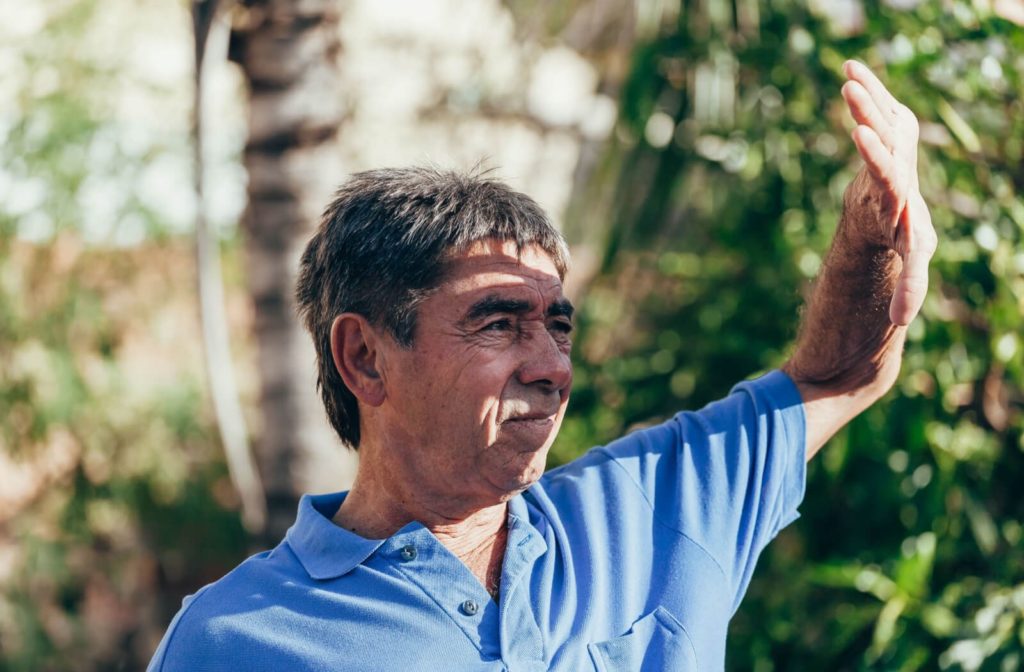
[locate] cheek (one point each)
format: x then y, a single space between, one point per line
486 377
462 399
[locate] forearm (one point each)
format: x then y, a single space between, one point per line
847 343
848 351
874 279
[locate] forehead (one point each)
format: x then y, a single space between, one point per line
491 265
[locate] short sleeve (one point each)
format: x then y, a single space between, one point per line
730 476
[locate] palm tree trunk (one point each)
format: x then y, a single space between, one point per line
287 51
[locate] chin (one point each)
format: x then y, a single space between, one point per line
529 475
516 461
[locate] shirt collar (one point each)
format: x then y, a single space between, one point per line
523 529
326 550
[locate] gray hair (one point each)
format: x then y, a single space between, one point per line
382 247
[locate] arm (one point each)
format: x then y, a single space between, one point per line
874 278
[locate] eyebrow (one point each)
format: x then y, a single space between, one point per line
493 304
561 308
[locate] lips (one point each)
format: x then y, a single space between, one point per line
533 417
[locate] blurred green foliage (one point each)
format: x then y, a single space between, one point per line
721 192
114 501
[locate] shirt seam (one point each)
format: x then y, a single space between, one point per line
787 474
771 419
775 418
774 422
763 496
657 516
801 454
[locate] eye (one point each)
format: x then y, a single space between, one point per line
498 325
562 327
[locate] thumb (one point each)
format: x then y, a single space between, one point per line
916 251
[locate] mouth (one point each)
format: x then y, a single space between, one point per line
533 429
533 418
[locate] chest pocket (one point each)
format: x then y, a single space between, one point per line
656 643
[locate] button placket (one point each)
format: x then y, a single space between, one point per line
449 583
522 643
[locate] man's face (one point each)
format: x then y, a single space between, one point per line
474 405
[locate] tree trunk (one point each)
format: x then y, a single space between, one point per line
287 50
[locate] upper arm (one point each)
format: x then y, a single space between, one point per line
729 476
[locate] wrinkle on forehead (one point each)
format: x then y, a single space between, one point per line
495 267
498 268
542 290
492 253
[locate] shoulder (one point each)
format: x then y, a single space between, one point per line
771 398
219 624
692 458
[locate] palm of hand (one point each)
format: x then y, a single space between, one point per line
885 195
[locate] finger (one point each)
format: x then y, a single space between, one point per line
861 74
864 111
879 160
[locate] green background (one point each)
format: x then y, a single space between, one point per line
909 552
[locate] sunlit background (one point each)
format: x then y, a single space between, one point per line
695 156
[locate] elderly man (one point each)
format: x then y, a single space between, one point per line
435 302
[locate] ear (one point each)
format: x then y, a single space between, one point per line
354 346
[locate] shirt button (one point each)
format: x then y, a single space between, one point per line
408 553
469 607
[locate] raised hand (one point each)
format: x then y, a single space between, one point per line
884 201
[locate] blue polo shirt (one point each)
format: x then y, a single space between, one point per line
633 557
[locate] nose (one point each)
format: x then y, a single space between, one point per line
545 364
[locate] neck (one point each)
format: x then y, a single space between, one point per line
379 504
377 507
375 511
